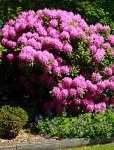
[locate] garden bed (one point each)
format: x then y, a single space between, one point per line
66 70
25 137
26 140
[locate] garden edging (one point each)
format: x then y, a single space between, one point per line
59 144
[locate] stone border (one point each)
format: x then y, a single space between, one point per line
59 144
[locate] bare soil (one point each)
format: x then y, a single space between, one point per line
25 137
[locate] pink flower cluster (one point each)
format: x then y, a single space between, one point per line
48 30
39 44
50 39
79 92
32 29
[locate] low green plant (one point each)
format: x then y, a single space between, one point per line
12 120
89 125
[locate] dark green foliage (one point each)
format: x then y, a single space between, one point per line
99 125
92 11
12 120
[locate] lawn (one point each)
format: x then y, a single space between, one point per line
96 147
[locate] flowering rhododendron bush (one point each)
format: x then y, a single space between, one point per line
60 54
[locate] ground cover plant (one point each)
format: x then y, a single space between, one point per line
86 125
64 63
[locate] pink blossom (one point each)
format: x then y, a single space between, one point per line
106 45
96 76
5 31
67 48
67 81
97 107
11 44
29 35
80 91
107 83
41 31
108 71
27 53
64 93
47 68
101 107
88 83
72 92
64 35
59 60
32 42
65 70
101 85
22 40
112 78
84 102
111 40
55 63
106 29
90 108
4 41
74 32
54 23
57 44
53 32
111 86
44 57
57 93
77 101
11 22
93 48
112 52
12 32
96 39
10 57
57 70
99 55
99 26
38 46
92 29
79 81
93 88
112 68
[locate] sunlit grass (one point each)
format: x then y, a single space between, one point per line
96 147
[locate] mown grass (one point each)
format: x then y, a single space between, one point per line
95 147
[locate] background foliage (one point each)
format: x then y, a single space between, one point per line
92 11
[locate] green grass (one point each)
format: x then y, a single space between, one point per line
96 147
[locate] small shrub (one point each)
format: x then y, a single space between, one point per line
92 125
12 120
